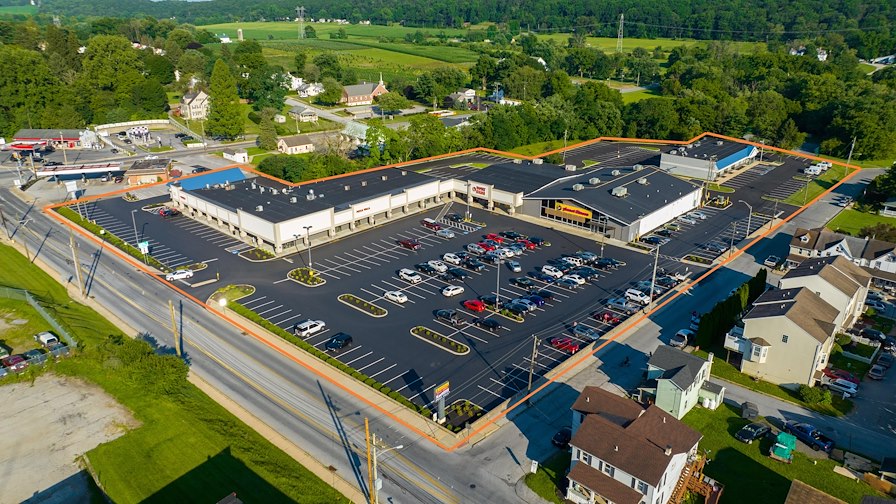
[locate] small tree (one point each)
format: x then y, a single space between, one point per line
267 137
332 92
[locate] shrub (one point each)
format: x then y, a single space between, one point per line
843 339
814 395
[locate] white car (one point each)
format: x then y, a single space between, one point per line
451 259
574 260
396 297
309 327
575 278
409 276
452 290
178 275
687 220
637 296
514 266
550 270
438 265
504 252
771 261
445 233
682 338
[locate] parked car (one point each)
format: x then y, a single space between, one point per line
561 438
588 257
607 318
543 294
445 233
452 290
565 344
749 433
425 268
522 282
495 238
489 299
569 283
514 266
454 217
877 372
841 374
487 323
309 327
586 272
396 297
46 338
15 363
586 333
530 306
451 259
488 247
410 244
622 305
409 276
687 220
438 265
873 334
772 261
526 244
637 296
475 248
449 316
575 278
539 242
665 233
535 299
512 235
839 386
878 306
697 215
808 434
885 359
543 277
431 224
473 264
457 273
682 338
716 248
179 275
666 282
338 342
517 309
474 305
552 271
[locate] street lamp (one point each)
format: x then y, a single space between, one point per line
749 217
468 201
308 235
498 285
376 479
134 222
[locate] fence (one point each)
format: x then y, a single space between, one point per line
23 295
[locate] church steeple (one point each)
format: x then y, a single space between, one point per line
381 78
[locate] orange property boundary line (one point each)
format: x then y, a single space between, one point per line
563 369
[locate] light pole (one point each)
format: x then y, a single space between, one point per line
134 222
296 238
656 260
498 286
761 150
468 201
749 217
308 235
62 143
376 479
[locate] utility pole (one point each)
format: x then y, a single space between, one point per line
369 460
76 262
308 235
806 193
749 218
849 159
564 145
3 221
532 361
174 331
731 246
62 143
300 11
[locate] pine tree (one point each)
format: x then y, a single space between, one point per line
267 138
224 116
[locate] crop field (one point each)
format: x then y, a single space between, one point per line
12 10
287 30
608 44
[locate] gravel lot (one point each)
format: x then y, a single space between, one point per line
46 426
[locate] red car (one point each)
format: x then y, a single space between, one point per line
410 244
15 363
494 237
841 374
606 318
526 243
565 344
487 246
474 305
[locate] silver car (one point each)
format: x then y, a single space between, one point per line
620 304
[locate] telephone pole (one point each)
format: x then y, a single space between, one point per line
300 12
849 159
77 264
532 361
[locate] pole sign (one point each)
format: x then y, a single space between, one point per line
442 391
144 247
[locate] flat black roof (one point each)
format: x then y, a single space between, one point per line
519 178
642 199
711 147
331 193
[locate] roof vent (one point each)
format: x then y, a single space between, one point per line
615 173
697 143
347 187
577 187
293 199
594 181
363 183
253 185
404 172
615 448
642 180
538 161
719 142
385 177
681 149
690 146
259 208
668 447
517 161
275 192
620 191
570 167
208 186
637 167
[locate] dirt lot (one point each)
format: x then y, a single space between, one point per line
46 426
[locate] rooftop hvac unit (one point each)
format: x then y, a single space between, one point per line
594 181
615 173
697 143
537 161
690 146
404 172
719 142
363 183
637 167
518 161
619 192
384 177
577 187
642 180
253 185
347 187
681 149
570 167
207 186
293 199
274 191
673 152
259 208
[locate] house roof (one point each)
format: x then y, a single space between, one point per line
888 465
713 388
633 439
604 485
681 368
296 140
803 307
47 134
524 177
801 493
298 109
355 130
231 151
454 121
363 89
187 98
836 270
657 190
821 239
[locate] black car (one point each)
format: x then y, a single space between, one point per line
113 150
652 240
338 342
610 262
873 334
543 294
539 242
535 299
666 282
561 438
489 299
522 282
458 273
664 232
586 272
752 432
425 268
52 163
453 217
544 277
517 309
200 169
487 323
512 235
561 264
449 316
179 135
473 264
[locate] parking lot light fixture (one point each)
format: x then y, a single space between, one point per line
134 222
749 217
308 235
498 286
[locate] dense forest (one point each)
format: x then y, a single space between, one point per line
866 24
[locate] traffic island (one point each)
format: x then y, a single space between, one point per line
306 276
362 305
257 255
439 340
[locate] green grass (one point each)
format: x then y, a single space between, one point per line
852 221
712 186
288 30
13 10
866 68
188 448
636 96
447 54
747 472
260 157
17 338
173 97
163 148
817 186
232 292
550 477
608 44
726 371
537 148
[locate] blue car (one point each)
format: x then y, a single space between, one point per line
536 300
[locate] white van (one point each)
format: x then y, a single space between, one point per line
46 338
813 170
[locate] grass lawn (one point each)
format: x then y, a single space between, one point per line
173 97
852 221
712 186
747 472
817 186
608 44
726 371
12 10
260 157
635 96
866 68
163 148
21 322
188 449
537 148
289 30
550 477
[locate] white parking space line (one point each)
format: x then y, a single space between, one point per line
418 380
358 358
350 350
406 289
282 280
359 260
272 317
247 303
374 375
371 364
284 321
499 396
255 308
427 389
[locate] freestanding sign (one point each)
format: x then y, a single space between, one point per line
144 247
441 392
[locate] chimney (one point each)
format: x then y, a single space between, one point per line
616 448
668 449
664 419
587 399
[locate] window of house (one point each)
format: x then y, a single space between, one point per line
642 487
609 470
586 458
757 352
784 338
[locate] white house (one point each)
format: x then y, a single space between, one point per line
296 144
875 257
310 89
236 155
303 114
676 381
837 281
194 105
625 453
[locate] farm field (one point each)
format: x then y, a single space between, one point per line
608 44
288 30
635 96
12 10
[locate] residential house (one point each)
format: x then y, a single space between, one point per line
625 453
786 338
362 94
296 144
310 89
236 155
875 257
303 114
461 98
455 121
676 381
354 133
801 493
194 105
836 280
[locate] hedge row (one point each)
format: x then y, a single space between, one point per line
295 340
110 238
